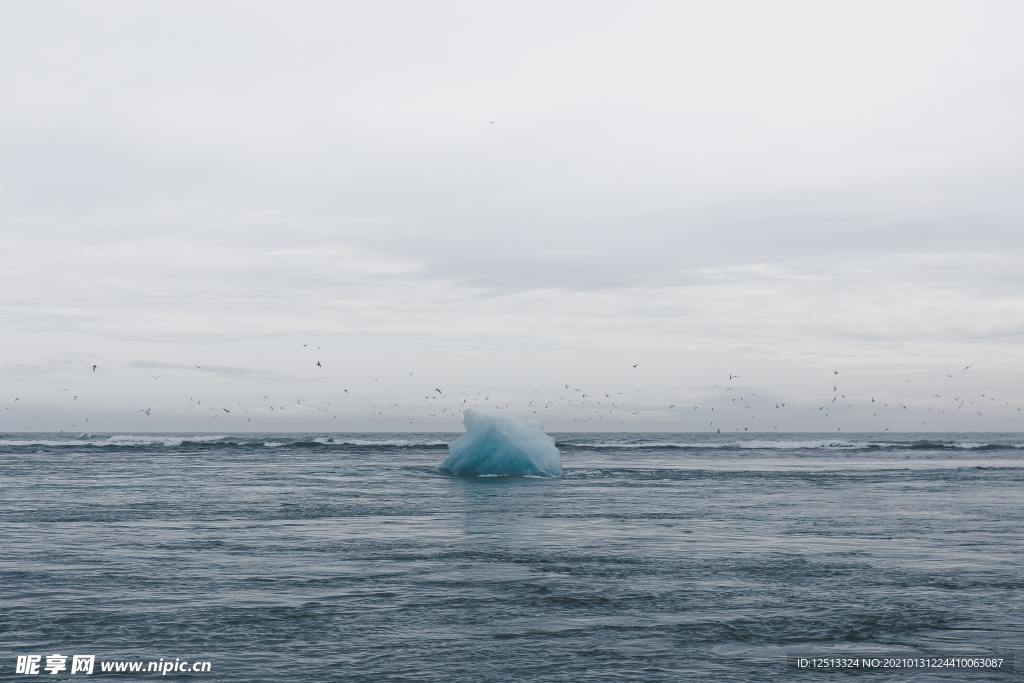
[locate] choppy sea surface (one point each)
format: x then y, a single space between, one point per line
656 557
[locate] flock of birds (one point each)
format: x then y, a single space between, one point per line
729 408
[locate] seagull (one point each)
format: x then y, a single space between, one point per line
146 411
966 368
225 410
835 372
635 364
437 390
318 364
94 367
732 377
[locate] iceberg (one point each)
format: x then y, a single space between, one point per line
502 445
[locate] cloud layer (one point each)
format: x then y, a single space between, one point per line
503 200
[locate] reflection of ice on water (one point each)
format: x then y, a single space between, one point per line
501 532
499 445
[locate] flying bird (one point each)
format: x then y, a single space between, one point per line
94 367
318 364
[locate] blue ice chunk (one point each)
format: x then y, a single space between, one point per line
502 445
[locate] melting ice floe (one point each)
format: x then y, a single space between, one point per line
502 445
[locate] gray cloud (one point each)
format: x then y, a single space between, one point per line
780 187
224 370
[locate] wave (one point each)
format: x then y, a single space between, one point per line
396 443
133 441
114 440
806 445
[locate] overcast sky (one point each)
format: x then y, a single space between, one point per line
505 198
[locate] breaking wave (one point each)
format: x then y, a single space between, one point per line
193 441
808 445
574 443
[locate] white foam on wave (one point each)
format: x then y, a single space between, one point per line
795 444
751 444
801 444
117 440
335 441
43 442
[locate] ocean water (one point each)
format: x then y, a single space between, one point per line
656 557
